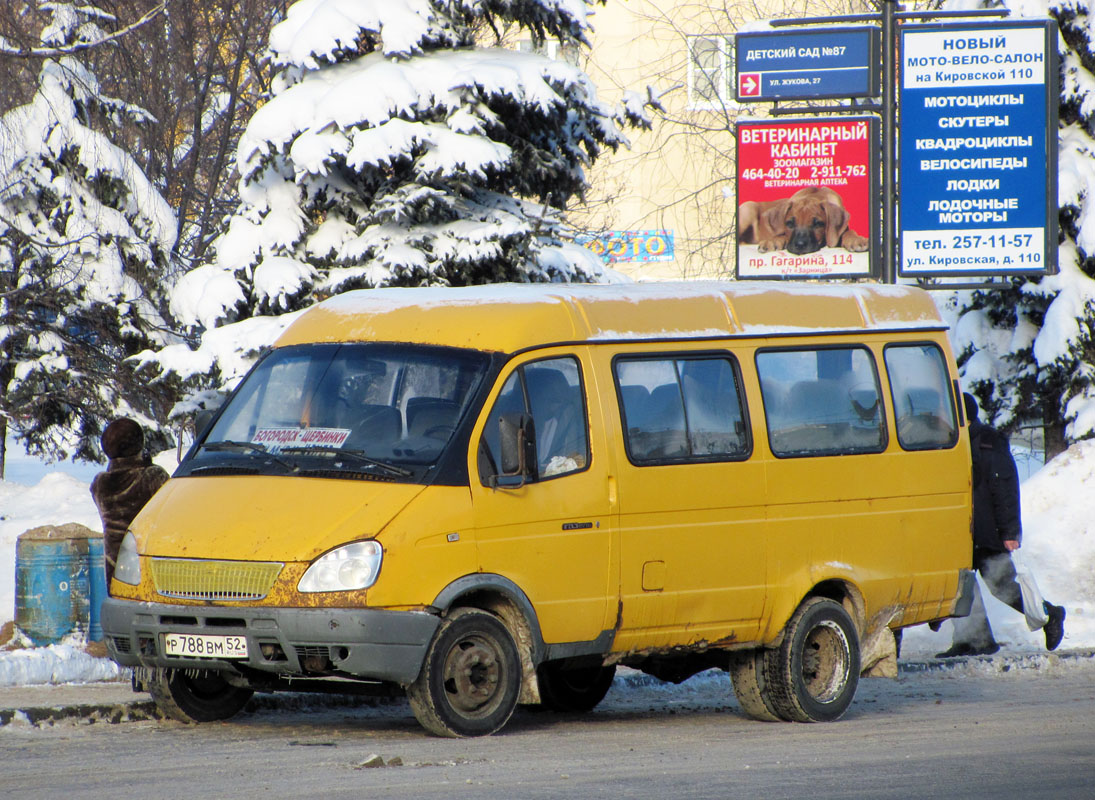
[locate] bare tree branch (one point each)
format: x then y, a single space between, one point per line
53 52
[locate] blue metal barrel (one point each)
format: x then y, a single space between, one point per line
52 582
97 585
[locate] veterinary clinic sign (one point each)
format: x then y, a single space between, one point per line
619 246
978 149
807 65
808 198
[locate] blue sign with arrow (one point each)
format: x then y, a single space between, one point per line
808 65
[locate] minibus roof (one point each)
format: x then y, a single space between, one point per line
512 317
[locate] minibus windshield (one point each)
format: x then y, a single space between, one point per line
352 409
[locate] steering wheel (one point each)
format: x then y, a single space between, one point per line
439 431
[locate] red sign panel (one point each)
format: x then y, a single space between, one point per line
808 199
749 84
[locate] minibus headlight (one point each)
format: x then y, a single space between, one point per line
352 566
128 567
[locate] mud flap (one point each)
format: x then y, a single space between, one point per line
967 586
878 650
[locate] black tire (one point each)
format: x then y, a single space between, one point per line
812 676
751 687
470 679
573 690
196 695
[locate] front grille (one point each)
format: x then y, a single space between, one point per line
214 580
122 644
312 651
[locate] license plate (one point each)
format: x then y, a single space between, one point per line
199 646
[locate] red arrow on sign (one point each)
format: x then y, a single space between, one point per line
749 84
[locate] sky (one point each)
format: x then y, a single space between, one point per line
1058 547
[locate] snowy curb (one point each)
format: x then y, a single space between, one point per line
1000 662
112 714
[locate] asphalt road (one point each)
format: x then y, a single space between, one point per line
988 728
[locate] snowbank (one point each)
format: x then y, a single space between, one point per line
58 663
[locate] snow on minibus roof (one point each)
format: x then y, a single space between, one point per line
511 317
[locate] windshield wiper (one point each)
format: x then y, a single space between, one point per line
315 450
247 447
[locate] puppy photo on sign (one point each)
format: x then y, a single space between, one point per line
812 218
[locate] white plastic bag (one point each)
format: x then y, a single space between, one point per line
1033 606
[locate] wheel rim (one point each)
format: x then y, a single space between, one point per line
826 658
473 675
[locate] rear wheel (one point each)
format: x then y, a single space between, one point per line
573 689
750 686
470 679
812 676
196 695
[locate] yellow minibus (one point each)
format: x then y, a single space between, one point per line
492 496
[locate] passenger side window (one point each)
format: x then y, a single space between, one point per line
551 391
821 401
922 399
681 409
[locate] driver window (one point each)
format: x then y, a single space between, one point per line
551 391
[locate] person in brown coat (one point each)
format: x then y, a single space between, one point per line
129 482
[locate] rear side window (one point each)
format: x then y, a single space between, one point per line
922 400
681 409
821 401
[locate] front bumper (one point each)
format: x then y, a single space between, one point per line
371 644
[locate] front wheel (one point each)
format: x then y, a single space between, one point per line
195 695
574 689
813 674
470 679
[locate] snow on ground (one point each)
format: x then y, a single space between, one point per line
1058 546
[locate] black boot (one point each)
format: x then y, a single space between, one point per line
959 649
1055 625
955 650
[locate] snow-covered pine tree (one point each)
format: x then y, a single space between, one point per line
84 238
1027 350
403 146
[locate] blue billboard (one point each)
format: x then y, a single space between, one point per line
978 149
810 64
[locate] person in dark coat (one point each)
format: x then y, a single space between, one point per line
129 482
997 532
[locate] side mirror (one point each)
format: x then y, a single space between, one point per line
202 418
208 404
517 442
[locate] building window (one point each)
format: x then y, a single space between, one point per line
710 64
551 48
